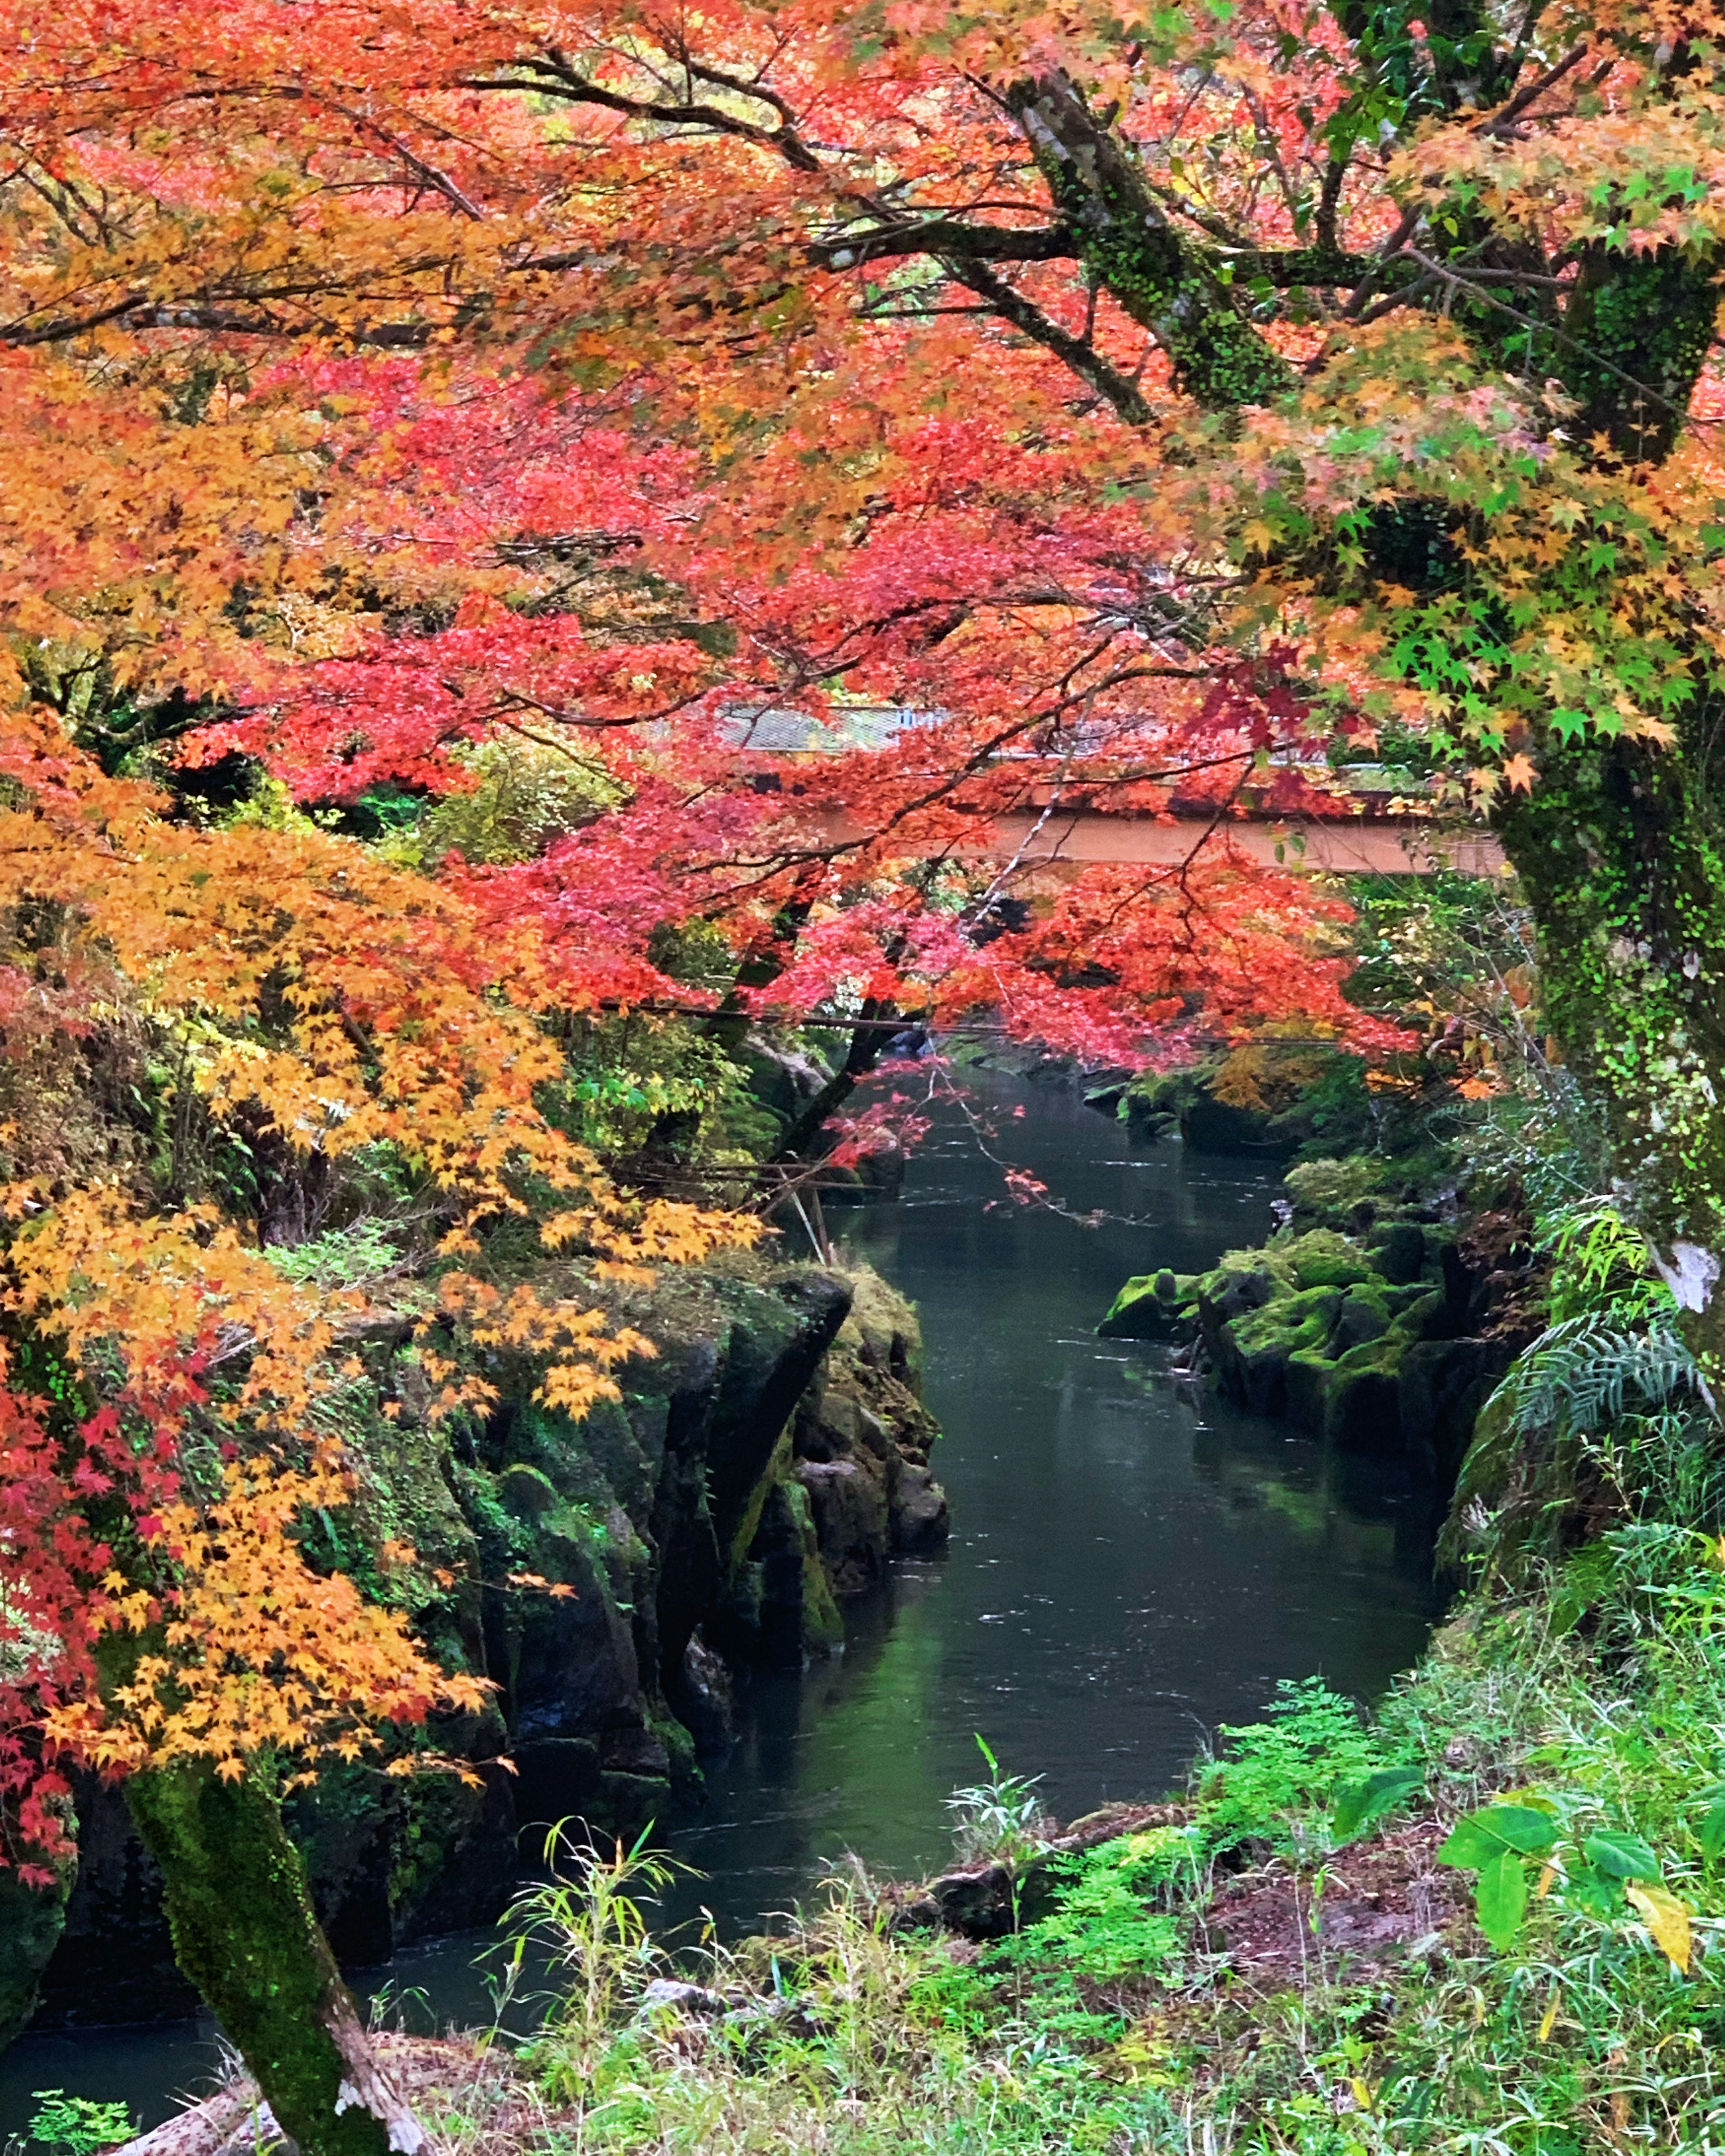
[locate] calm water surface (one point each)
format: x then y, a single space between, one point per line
1129 1565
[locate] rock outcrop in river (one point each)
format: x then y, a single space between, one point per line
1386 1339
770 1461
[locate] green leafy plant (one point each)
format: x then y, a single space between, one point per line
79 2125
344 1257
1600 1266
1275 1773
1360 1806
1114 1914
1586 1373
587 1924
1601 1871
999 1820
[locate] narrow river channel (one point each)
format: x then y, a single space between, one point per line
1129 1565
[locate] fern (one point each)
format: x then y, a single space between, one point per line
1585 1374
1592 1409
1601 1265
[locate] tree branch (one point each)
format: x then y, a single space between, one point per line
1024 316
1160 278
947 236
556 77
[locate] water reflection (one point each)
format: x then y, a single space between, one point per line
1131 1564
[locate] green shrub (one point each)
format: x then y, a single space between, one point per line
344 1257
79 2125
1116 1903
1274 1774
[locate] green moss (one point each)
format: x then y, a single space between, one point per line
31 1921
1320 1258
1306 1389
244 1932
823 1627
1362 1397
528 1494
1158 1306
1302 1320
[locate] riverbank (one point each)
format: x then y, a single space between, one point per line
1259 1964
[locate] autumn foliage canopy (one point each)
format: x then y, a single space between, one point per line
801 435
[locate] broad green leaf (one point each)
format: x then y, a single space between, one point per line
1482 1835
1501 1898
1520 1827
1620 1856
1713 1829
1469 1846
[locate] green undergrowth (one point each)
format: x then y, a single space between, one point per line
1198 1982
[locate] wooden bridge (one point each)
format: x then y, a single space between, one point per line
1330 845
1364 836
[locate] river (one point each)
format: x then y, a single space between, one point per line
1131 1565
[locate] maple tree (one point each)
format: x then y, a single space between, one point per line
165 1424
1149 409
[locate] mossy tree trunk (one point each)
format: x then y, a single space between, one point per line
1620 846
245 1934
1621 852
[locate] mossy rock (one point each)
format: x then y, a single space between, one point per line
1159 1305
1304 1319
1252 1351
879 1330
527 1493
557 1777
629 1801
1444 1384
1328 1191
1306 1390
1364 1316
1363 1398
1154 1102
31 1921
1320 1258
1324 1259
1399 1252
1211 1125
823 1627
1420 1311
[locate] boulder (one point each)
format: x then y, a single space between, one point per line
1361 1344
702 1697
1363 1398
1400 1252
32 1920
1363 1315
1211 1125
920 1519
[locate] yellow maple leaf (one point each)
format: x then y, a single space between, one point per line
1521 772
1667 1921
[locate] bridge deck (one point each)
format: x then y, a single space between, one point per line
1335 846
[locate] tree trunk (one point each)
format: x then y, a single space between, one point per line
878 1023
244 1932
1619 847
